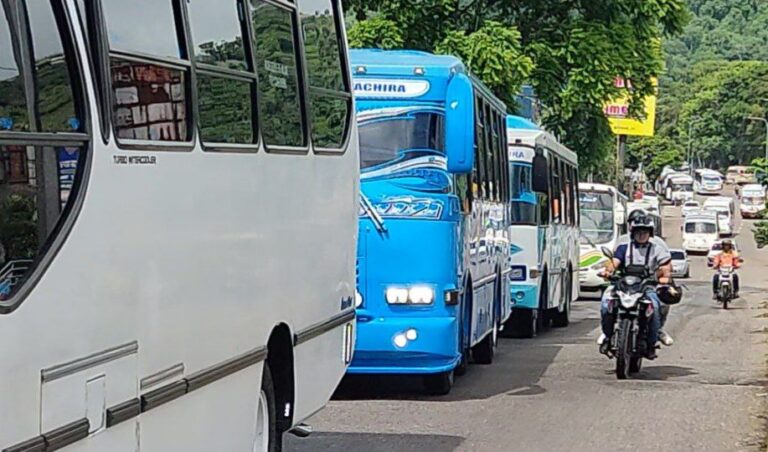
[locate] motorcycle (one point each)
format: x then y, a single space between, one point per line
725 288
632 311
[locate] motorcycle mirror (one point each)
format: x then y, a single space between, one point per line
607 252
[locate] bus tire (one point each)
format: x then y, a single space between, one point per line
463 327
524 323
483 352
439 384
266 418
561 319
543 318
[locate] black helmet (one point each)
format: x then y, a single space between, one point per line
727 242
669 294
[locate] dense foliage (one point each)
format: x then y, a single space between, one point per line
716 75
571 51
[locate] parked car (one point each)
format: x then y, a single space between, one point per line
717 248
690 207
681 265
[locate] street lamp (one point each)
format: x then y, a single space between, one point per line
764 121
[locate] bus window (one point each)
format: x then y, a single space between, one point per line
490 168
13 101
329 92
482 179
279 102
36 182
225 80
150 99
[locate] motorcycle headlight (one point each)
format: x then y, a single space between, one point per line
629 300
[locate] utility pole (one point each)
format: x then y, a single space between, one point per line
764 121
689 154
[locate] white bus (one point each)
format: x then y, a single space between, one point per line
544 244
603 216
707 182
178 236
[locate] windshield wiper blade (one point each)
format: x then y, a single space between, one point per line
378 221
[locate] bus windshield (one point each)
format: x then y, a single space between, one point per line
682 187
753 200
523 200
597 217
399 137
700 228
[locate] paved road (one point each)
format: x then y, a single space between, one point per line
555 392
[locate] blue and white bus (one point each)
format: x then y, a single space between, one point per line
433 245
544 251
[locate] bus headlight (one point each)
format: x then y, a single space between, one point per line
397 295
421 295
358 299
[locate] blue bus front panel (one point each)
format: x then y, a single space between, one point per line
406 338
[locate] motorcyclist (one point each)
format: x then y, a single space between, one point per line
727 258
640 247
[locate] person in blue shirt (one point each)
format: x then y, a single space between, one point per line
640 247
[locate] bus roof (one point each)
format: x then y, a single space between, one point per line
589 186
518 122
536 137
414 65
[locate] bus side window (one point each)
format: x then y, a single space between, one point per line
226 83
150 97
40 96
330 98
280 114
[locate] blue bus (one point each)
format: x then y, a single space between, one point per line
434 230
544 252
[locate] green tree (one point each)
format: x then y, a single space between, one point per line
576 49
654 154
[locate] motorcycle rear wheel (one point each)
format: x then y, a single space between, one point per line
623 351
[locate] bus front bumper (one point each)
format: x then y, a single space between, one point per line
524 296
415 345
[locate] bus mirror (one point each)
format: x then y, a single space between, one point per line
540 174
459 125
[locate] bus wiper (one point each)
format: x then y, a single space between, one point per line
378 222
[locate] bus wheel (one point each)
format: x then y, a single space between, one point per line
563 318
482 353
266 420
525 323
464 326
439 384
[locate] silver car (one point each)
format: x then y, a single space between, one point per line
681 265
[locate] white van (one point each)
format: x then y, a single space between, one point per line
700 231
752 202
726 211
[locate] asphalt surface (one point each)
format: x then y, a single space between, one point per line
555 392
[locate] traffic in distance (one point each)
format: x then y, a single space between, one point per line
422 223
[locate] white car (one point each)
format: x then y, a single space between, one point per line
690 207
681 265
717 248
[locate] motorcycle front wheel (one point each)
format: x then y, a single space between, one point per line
623 349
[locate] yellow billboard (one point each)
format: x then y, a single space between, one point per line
617 112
